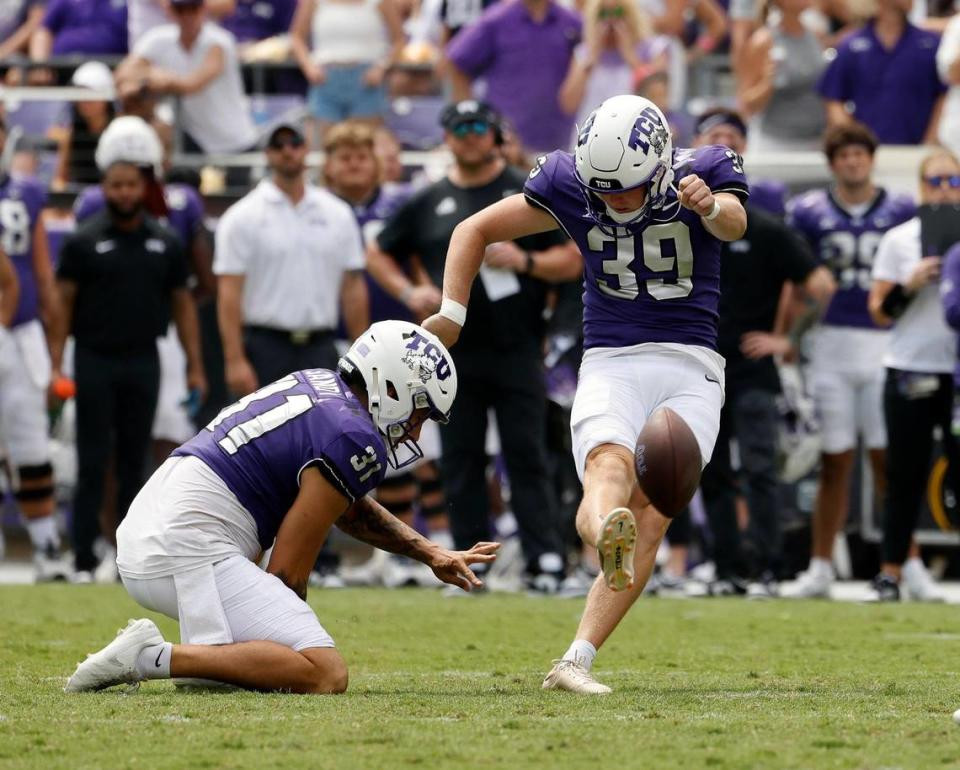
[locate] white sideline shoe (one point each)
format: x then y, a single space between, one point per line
51 565
919 583
572 677
810 585
117 662
615 545
106 572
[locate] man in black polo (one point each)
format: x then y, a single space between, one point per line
753 271
499 354
121 277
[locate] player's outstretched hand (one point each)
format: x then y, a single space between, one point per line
444 328
453 567
756 345
695 195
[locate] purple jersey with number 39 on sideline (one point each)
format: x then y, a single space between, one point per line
21 201
846 243
657 282
261 444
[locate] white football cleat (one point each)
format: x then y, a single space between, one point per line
117 662
572 677
615 545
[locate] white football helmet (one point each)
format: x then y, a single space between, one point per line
404 368
129 139
624 144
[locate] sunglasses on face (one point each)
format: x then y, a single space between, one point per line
611 13
474 126
286 141
953 181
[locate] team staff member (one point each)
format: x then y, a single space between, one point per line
918 394
753 271
288 254
120 277
499 354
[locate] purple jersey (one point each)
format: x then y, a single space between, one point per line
371 218
21 201
768 195
259 19
846 243
658 283
183 203
950 297
261 444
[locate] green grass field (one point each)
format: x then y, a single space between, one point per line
448 683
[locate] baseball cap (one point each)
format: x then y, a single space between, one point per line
185 3
467 111
94 75
293 128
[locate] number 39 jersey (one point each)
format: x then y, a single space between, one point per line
657 282
846 243
21 201
261 444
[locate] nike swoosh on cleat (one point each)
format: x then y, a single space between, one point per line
708 378
158 657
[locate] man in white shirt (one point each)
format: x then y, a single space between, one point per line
918 395
288 257
195 60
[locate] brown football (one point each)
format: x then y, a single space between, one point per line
667 459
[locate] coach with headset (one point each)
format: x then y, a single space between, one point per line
499 353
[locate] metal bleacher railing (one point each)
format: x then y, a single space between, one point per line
896 166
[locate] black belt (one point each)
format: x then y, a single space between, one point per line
298 337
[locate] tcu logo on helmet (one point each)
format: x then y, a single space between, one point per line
648 131
585 129
424 358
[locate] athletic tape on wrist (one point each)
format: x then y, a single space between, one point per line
453 310
715 212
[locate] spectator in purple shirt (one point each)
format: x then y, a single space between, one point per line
522 50
81 27
254 20
885 75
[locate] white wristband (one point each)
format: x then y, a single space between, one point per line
714 212
453 310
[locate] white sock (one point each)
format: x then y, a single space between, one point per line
43 532
582 653
154 661
820 567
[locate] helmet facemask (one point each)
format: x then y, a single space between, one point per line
399 435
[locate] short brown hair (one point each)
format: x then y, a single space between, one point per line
349 133
846 134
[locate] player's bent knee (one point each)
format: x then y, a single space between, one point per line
329 675
609 462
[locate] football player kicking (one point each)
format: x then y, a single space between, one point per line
649 220
280 466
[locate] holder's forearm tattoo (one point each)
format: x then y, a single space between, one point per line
370 522
299 587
